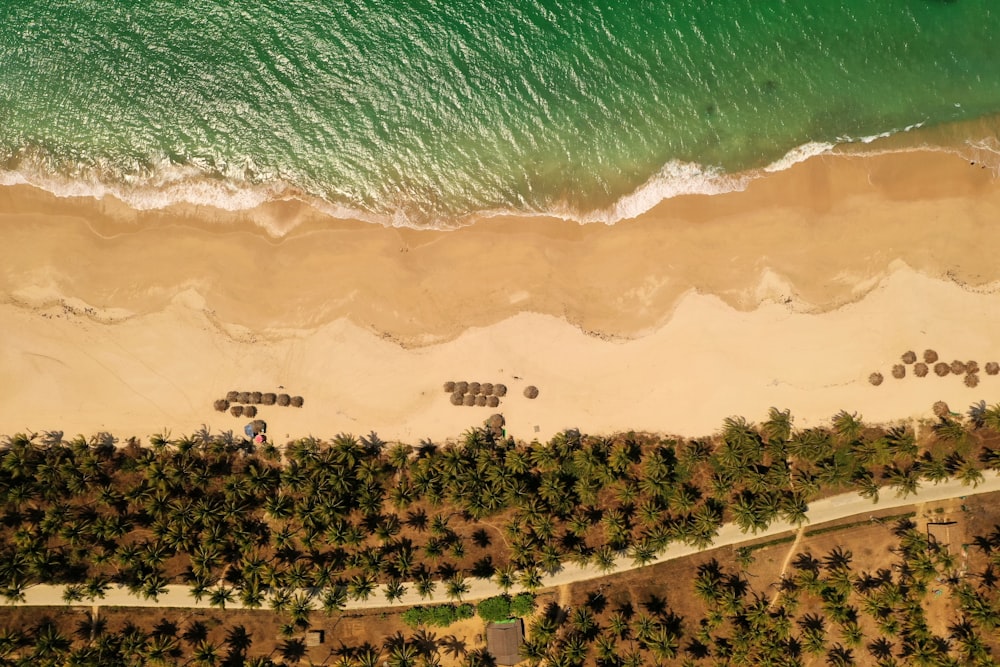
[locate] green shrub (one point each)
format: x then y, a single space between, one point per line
441 615
523 604
494 609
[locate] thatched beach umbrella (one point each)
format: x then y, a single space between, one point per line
284 400
486 388
255 397
941 368
494 422
909 357
249 411
456 398
221 405
875 379
244 397
297 401
930 356
992 368
899 371
470 400
971 380
474 388
531 391
233 396
449 386
481 401
941 409
971 367
920 369
269 399
462 387
492 401
500 390
236 411
957 367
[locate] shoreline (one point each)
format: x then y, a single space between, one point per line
788 293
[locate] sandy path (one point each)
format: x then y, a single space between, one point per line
822 511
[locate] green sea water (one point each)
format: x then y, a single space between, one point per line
425 111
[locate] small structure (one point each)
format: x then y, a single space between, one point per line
940 533
315 637
503 641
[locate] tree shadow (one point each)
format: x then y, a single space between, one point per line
481 538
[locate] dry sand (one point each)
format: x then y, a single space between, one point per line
787 294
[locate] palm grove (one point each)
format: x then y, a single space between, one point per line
321 523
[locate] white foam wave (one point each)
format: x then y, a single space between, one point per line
800 154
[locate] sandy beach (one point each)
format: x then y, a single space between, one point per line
786 294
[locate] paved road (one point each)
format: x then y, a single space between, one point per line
821 511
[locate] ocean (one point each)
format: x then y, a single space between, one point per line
431 112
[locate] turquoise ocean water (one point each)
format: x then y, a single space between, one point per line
423 112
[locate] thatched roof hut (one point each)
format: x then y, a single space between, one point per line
941 409
269 399
449 386
941 369
899 371
481 401
875 379
957 367
255 397
495 421
909 357
992 368
474 388
972 379
462 387
531 391
469 400
920 369
971 367
492 401
457 398
249 411
486 389
233 396
221 405
503 641
500 390
236 411
297 401
244 397
930 356
284 400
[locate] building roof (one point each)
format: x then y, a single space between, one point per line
503 641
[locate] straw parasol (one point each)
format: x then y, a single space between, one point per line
899 371
531 391
941 409
481 401
875 379
957 367
500 390
920 369
297 401
971 380
470 400
449 386
930 356
221 405
992 368
909 357
495 421
462 387
284 400
474 388
456 398
492 401
236 411
269 399
941 368
255 397
486 388
233 396
244 397
249 411
971 367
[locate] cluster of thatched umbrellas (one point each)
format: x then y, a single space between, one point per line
485 394
244 403
970 369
